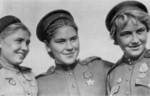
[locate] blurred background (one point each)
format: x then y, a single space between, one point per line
89 16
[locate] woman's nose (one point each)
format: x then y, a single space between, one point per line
135 39
69 45
25 47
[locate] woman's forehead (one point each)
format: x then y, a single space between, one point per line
127 22
65 31
132 24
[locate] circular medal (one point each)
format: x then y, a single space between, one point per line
12 81
87 75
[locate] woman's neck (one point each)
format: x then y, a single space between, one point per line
66 67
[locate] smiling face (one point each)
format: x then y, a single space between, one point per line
64 45
132 38
15 47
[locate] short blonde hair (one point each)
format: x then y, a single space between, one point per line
122 19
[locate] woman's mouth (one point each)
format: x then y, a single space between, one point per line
136 47
69 54
22 55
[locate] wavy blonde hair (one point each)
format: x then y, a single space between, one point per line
122 19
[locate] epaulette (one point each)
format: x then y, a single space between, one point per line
89 59
108 64
51 70
22 68
40 75
147 54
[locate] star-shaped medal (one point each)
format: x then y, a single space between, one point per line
90 82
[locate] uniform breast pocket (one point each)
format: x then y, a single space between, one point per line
145 82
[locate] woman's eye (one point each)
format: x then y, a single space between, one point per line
74 38
19 40
28 42
125 33
60 41
141 30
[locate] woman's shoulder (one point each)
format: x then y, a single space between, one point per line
89 60
3 72
96 61
50 71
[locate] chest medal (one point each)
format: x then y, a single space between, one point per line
11 81
88 75
143 69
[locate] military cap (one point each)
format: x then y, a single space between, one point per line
8 20
48 19
122 7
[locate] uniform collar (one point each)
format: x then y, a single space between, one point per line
65 67
131 61
15 68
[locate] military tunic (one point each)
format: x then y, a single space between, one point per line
130 77
87 78
17 81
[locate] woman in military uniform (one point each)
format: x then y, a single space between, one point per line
70 77
129 24
14 46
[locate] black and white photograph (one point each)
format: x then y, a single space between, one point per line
74 48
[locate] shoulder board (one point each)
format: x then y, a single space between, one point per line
51 70
22 68
147 54
89 59
40 75
108 64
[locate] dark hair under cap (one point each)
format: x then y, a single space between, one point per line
48 19
8 20
121 7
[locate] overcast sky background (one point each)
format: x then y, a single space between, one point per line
89 16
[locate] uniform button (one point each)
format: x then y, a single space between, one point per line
73 85
130 68
129 60
130 63
28 93
119 81
70 73
127 93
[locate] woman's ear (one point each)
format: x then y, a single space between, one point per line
47 46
